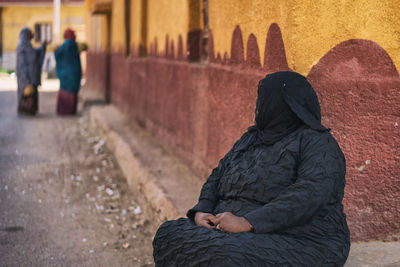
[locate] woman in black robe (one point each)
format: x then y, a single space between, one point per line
275 199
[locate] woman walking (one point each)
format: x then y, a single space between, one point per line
29 69
69 71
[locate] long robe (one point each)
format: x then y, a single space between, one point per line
289 184
29 68
290 192
68 66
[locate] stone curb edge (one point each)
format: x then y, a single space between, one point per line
139 178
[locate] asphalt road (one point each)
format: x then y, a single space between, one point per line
63 199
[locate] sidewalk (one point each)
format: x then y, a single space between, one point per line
168 188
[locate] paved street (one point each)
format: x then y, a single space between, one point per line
63 200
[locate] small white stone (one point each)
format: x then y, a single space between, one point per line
368 161
100 188
97 147
138 210
84 240
109 191
361 168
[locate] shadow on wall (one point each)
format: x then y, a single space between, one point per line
274 59
200 110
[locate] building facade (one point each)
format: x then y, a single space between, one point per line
187 71
39 15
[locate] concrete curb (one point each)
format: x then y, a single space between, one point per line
139 178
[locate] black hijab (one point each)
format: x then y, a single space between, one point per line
285 102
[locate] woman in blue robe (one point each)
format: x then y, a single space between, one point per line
29 69
69 71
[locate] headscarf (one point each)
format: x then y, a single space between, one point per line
69 34
25 37
285 102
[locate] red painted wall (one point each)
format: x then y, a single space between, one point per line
199 110
96 71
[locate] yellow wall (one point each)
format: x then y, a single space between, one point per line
118 25
14 18
164 17
309 28
97 33
167 17
136 22
96 26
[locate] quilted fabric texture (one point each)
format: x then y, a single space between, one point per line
290 192
285 175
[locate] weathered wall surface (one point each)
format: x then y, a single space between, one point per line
199 109
96 71
167 19
358 86
309 28
14 18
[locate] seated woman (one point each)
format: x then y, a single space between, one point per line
275 199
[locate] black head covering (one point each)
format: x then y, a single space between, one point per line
285 102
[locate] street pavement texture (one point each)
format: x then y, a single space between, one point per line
63 198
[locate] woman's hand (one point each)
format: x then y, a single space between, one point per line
229 223
206 220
